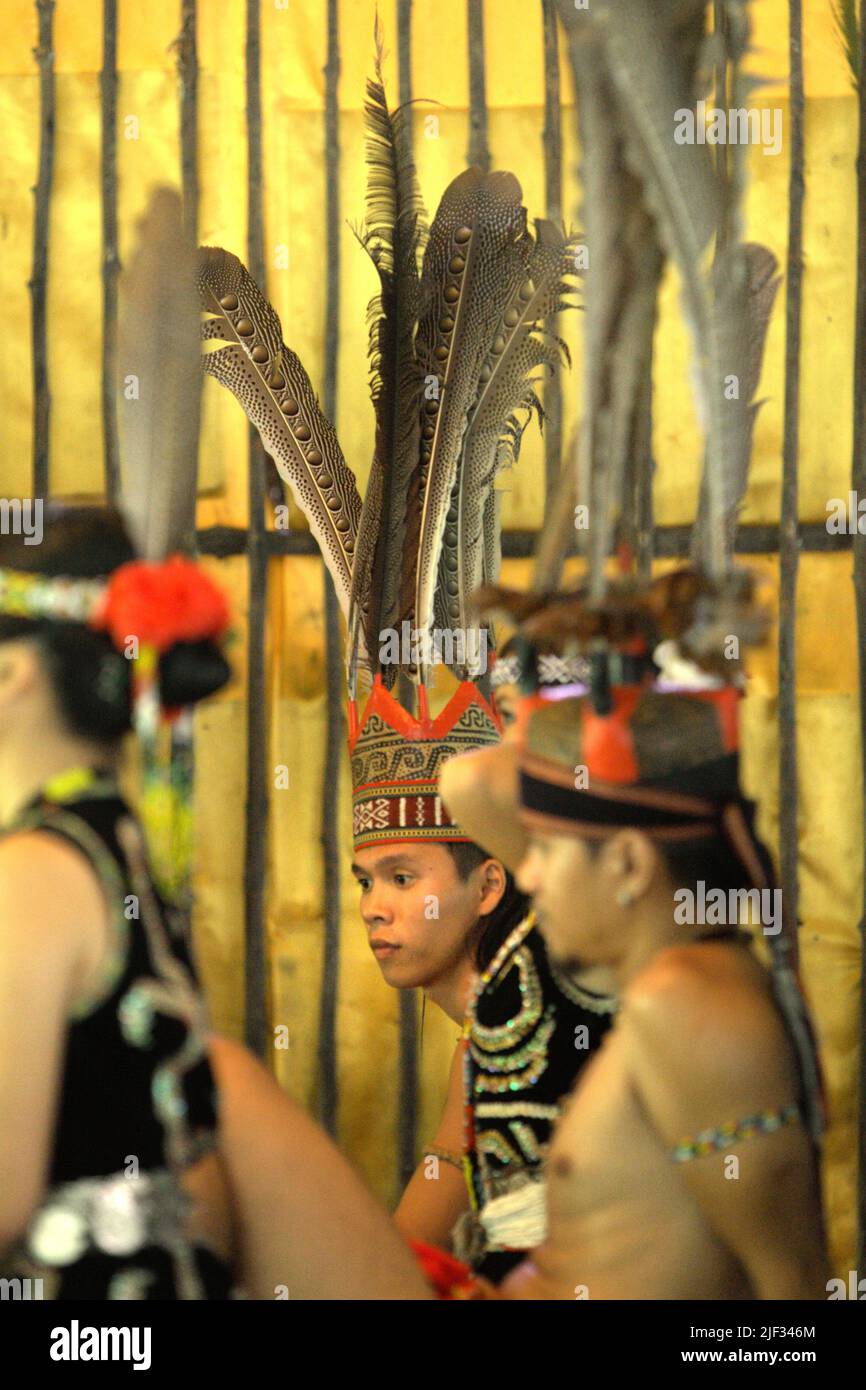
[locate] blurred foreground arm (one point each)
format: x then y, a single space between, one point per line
480 791
306 1223
437 1195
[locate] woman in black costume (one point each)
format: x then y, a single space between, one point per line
139 1158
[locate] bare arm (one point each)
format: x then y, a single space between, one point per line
436 1194
480 791
51 924
307 1226
705 1056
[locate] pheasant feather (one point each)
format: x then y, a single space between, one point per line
746 286
506 392
275 392
478 246
652 53
160 377
395 228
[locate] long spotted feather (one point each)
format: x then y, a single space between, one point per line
477 247
275 392
160 376
506 395
395 229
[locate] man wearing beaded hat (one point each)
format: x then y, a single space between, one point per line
683 1165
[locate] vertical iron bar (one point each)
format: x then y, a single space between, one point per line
110 256
408 1078
478 151
789 539
38 283
552 144
257 809
858 483
187 67
182 749
327 1046
404 51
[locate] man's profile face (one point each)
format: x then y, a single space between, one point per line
418 911
562 877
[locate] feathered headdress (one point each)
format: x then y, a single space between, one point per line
457 343
663 666
637 66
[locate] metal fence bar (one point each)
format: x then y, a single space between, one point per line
408 1061
478 151
672 542
789 554
187 67
552 146
328 1087
858 483
257 808
110 256
38 283
404 51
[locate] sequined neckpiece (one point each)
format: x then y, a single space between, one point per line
525 1039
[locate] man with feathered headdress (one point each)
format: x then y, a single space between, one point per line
685 1164
457 339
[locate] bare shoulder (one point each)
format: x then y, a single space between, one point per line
701 978
706 1006
43 879
34 861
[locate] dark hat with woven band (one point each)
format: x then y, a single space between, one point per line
663 762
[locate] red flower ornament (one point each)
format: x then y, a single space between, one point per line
162 605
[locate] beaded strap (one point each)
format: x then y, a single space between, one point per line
446 1155
35 596
713 1140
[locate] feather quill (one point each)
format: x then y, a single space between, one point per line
395 230
746 286
160 382
477 247
555 539
606 188
506 398
621 291
652 52
275 392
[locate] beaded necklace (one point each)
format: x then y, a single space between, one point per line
512 941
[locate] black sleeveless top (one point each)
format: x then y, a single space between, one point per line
137 1101
528 1033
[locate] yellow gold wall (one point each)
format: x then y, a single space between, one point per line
293 58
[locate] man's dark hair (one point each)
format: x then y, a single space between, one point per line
509 912
711 861
708 859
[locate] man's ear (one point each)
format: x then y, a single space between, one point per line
493 885
632 862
